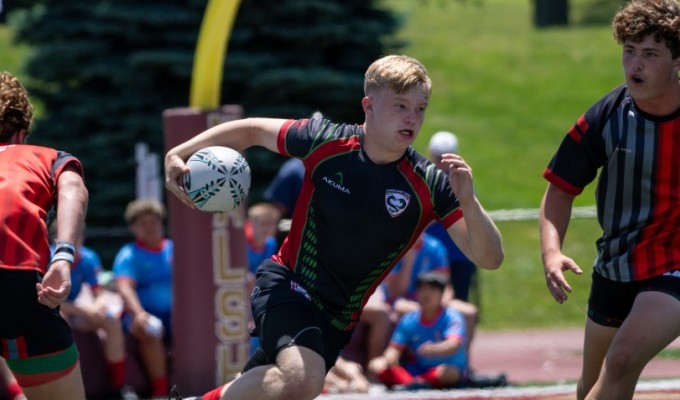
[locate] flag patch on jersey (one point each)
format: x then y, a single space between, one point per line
396 201
294 286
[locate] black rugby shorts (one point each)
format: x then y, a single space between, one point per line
610 301
285 316
28 328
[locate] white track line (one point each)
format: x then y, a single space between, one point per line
378 392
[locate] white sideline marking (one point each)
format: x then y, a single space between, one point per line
525 214
497 393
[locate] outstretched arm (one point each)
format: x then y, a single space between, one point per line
553 221
238 135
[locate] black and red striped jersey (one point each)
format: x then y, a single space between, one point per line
638 190
355 219
28 199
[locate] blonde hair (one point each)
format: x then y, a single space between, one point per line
16 111
398 73
137 208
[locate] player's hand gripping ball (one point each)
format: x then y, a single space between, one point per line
219 179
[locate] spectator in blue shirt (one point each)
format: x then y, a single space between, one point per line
143 272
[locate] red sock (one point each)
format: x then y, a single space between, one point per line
432 377
395 375
117 373
159 386
14 390
214 394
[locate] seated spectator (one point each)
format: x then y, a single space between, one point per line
96 310
428 346
143 273
9 387
260 231
346 377
428 254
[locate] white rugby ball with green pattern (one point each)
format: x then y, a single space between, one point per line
219 179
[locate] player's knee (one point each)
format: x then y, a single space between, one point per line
621 363
305 383
303 373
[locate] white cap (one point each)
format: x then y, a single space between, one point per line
443 142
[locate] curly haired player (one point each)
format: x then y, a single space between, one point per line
34 339
633 135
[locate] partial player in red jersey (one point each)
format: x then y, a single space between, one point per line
35 340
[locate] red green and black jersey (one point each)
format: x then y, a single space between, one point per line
28 199
355 219
638 190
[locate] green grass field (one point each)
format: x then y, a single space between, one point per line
510 92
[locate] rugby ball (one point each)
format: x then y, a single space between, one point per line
218 180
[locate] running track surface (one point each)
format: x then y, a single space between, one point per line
540 365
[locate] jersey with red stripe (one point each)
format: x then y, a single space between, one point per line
28 185
355 219
638 190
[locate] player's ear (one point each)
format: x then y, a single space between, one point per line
367 104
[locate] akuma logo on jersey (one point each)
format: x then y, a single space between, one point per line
336 182
396 201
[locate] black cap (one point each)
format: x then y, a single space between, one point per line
432 278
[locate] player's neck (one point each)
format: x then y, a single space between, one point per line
378 153
661 106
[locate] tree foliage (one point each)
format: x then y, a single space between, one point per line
105 70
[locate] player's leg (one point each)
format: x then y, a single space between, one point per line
68 387
299 373
632 347
36 342
288 364
9 384
595 345
608 305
